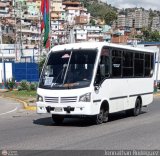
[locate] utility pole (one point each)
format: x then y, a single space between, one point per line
15 19
3 65
58 28
18 20
40 37
21 28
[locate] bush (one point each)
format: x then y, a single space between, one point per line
24 85
10 84
19 88
33 86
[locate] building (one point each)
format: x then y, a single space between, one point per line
6 21
141 19
76 13
26 17
83 33
156 23
145 19
130 20
72 10
58 18
121 21
80 34
33 7
5 8
107 33
94 33
56 9
58 32
138 19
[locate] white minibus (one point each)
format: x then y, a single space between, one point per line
94 79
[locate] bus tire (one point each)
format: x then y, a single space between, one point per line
137 109
105 116
57 119
102 117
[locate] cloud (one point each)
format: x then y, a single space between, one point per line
146 4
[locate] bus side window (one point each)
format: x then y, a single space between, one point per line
103 70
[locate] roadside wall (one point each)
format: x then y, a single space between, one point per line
19 71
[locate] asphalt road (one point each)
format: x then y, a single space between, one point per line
8 106
23 130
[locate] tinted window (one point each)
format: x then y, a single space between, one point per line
139 65
127 64
148 65
116 63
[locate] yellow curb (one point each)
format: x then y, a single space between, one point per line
26 107
32 108
157 94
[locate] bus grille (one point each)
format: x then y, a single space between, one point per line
51 99
68 99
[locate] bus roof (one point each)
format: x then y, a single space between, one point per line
95 45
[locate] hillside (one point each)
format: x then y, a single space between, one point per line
101 10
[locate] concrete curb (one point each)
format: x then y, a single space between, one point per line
25 105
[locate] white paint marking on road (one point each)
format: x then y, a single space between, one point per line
9 111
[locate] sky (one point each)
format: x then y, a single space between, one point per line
146 4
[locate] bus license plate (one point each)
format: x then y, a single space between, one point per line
58 109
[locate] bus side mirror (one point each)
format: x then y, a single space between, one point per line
96 88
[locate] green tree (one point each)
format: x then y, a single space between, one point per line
155 36
146 34
93 23
101 10
110 16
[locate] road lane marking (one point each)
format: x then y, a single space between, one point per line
9 111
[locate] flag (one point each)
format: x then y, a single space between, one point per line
45 22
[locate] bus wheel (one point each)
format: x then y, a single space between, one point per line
137 110
101 117
105 116
58 119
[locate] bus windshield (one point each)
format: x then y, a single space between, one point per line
68 69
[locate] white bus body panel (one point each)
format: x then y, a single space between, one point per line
80 108
121 94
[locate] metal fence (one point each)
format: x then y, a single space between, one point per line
25 71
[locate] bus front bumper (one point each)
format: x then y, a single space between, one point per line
80 108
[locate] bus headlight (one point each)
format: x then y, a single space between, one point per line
39 98
85 98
